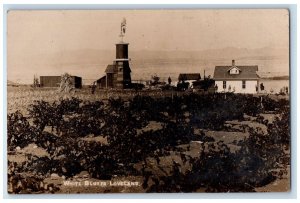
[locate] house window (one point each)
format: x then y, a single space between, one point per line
224 84
244 84
234 71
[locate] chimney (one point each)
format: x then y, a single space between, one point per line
233 62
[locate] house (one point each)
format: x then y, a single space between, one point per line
118 74
237 79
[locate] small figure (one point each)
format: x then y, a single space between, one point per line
93 87
169 80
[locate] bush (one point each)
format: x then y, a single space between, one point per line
217 169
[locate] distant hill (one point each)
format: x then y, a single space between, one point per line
90 64
285 77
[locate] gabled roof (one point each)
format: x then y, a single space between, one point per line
111 69
189 76
246 72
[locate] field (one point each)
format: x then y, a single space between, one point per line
146 141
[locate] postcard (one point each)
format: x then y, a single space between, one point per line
148 101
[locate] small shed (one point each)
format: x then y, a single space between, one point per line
54 81
101 82
185 80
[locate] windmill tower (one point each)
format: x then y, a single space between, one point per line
122 61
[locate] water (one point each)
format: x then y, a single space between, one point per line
274 85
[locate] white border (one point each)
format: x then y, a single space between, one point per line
156 5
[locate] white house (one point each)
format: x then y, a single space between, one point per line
237 79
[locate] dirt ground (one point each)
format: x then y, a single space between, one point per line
86 184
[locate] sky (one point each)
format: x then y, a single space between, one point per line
54 42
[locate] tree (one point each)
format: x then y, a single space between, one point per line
35 81
66 83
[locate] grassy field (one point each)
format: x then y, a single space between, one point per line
156 141
19 98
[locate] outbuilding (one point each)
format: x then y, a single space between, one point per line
188 78
54 81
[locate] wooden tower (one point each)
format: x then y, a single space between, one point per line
122 66
122 61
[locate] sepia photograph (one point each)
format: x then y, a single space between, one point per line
148 101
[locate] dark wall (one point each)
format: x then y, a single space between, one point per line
101 83
78 82
121 51
50 81
110 79
126 74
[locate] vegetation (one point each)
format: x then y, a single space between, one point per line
59 126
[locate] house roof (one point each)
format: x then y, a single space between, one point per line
111 69
189 76
246 72
102 78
